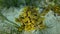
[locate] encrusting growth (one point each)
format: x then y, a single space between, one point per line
30 19
56 10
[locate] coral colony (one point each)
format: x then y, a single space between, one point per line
30 19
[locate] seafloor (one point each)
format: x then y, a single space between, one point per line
8 24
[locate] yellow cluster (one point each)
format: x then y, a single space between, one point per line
56 9
30 19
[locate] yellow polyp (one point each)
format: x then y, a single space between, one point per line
29 13
33 21
32 28
33 17
27 28
25 8
24 15
29 23
25 20
41 26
